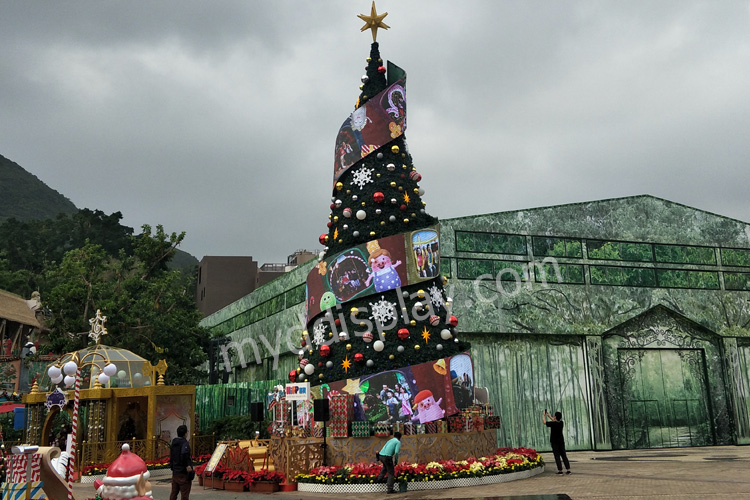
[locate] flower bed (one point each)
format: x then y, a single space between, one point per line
508 464
156 467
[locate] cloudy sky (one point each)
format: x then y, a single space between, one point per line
218 118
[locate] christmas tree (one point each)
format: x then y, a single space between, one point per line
375 301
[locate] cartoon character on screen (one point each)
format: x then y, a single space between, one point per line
383 269
427 408
359 121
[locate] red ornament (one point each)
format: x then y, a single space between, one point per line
434 320
359 358
415 176
337 322
453 321
292 375
303 343
381 69
330 224
367 337
325 350
378 197
323 238
333 205
402 207
403 333
320 364
303 363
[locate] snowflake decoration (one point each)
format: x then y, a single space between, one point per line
362 176
319 334
436 297
383 311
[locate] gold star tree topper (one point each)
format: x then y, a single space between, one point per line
373 22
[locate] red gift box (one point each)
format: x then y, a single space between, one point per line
338 429
341 407
492 422
478 422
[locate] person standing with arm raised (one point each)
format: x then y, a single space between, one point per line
557 440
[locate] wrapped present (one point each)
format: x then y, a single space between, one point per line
459 423
431 427
382 429
489 410
341 408
279 428
398 427
442 426
420 428
317 430
409 429
360 429
492 422
338 429
478 422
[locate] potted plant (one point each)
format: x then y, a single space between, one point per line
264 481
235 480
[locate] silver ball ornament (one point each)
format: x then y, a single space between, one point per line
400 348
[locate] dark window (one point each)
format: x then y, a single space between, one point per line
473 268
676 278
735 257
737 281
557 247
685 255
619 250
622 276
568 273
490 243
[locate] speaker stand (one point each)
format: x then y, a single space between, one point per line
324 445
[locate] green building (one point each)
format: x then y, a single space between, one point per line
629 315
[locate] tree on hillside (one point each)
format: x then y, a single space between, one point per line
150 309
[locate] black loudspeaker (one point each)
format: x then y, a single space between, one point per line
256 412
320 410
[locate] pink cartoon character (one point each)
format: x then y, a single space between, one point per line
383 268
427 408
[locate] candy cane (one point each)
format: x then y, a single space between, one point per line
72 460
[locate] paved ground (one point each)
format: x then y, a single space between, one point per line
711 473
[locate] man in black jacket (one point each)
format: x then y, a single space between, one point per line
181 464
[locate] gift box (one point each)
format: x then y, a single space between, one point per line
317 430
478 422
398 427
492 422
420 429
431 427
489 410
338 429
442 426
360 429
459 423
341 408
382 429
279 428
409 429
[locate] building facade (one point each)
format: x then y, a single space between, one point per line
629 315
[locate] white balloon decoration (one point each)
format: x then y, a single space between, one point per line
110 370
70 368
309 369
378 345
69 380
53 372
103 378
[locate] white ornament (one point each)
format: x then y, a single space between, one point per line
361 214
110 370
421 192
103 378
70 368
69 381
378 345
319 334
362 176
445 334
383 311
436 296
53 371
309 368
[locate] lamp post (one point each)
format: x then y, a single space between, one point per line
72 376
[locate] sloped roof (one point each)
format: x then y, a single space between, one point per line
14 308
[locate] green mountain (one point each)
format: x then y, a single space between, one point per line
24 197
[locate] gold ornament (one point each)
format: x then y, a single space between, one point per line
416 190
420 294
393 184
339 186
416 347
335 218
382 223
391 357
372 233
348 347
394 149
406 221
413 322
354 310
373 22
